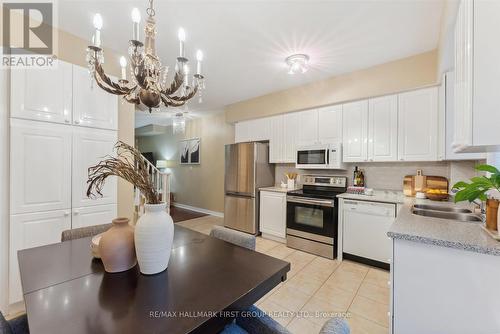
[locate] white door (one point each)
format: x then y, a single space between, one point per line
418 125
276 141
32 230
308 129
355 131
42 94
89 147
273 213
92 106
330 124
93 215
40 166
383 128
292 123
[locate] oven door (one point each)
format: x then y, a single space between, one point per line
312 158
312 216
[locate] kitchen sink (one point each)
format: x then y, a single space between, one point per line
460 216
440 208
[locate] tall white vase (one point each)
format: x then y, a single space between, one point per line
154 234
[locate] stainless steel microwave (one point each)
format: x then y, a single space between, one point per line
319 156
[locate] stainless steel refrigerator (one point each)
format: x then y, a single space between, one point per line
247 169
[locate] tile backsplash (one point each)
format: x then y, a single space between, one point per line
389 175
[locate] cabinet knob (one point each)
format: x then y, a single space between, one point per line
76 212
77 122
401 159
66 121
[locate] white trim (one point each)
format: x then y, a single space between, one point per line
273 237
4 188
193 208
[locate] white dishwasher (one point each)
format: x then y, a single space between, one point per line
365 226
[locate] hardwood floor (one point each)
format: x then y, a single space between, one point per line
179 214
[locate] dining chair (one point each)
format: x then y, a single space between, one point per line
260 322
235 237
84 232
17 325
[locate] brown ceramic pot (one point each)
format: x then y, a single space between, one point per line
117 248
492 214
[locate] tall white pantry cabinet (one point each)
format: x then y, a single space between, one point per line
60 125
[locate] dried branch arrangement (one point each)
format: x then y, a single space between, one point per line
129 165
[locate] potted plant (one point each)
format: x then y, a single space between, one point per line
154 231
485 189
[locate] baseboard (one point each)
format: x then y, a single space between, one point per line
193 208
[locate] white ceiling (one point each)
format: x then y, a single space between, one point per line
245 42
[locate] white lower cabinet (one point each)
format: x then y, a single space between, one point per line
89 147
443 290
32 230
273 214
93 215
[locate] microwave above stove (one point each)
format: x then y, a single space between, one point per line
319 156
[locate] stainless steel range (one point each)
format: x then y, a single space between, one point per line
312 215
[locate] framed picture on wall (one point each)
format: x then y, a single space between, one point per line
189 151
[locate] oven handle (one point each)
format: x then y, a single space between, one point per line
301 200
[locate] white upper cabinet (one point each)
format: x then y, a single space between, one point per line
308 130
292 125
42 94
418 125
89 147
241 134
447 122
383 128
40 166
252 130
330 124
277 139
477 76
92 106
355 131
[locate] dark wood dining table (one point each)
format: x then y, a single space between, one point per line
67 291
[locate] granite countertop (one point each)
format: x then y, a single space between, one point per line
385 196
467 236
277 189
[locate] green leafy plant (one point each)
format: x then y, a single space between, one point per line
479 185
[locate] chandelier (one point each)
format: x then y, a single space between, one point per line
148 78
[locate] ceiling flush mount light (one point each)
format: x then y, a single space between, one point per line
148 78
297 63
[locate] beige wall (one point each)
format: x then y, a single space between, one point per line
202 185
72 49
404 74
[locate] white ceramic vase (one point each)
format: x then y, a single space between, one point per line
154 234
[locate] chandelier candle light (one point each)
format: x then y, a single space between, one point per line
148 83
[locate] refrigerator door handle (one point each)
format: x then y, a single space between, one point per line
236 194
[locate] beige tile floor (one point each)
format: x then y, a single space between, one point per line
317 288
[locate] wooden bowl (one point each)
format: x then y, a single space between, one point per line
437 197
